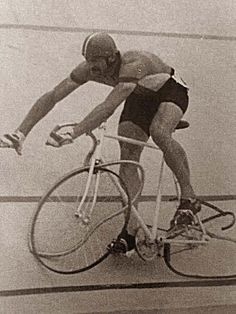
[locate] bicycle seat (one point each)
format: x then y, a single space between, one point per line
183 124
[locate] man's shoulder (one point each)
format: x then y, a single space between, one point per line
80 73
135 65
133 57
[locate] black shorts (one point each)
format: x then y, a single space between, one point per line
141 109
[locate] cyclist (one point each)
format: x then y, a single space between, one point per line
155 100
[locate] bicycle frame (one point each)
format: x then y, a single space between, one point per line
94 158
149 242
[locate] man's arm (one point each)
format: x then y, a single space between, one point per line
46 103
104 110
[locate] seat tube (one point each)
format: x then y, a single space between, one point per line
158 200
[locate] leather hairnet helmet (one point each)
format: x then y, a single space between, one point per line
98 45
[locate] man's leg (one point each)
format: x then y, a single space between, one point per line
129 173
161 129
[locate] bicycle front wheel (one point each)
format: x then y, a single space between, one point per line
67 244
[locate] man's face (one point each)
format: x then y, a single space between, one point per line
97 65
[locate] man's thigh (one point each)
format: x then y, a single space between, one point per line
167 117
138 111
131 130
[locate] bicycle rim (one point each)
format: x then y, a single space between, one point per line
58 238
212 260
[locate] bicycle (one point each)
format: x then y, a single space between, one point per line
93 201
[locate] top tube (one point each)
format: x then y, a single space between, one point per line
132 141
181 125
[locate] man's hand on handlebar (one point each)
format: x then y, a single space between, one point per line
57 139
13 140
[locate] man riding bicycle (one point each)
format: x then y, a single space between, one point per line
155 101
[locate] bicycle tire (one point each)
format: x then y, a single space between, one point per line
66 260
212 260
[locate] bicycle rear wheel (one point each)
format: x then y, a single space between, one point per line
213 260
59 239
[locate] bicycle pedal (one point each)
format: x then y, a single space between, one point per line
184 217
117 247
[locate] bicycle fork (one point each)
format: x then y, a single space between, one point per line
84 210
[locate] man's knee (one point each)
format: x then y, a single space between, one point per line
131 130
161 137
130 151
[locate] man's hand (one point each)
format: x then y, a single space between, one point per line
13 140
58 140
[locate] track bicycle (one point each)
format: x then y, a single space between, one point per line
79 219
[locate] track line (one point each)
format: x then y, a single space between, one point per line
148 285
144 198
63 29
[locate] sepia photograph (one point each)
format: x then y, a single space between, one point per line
117 145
